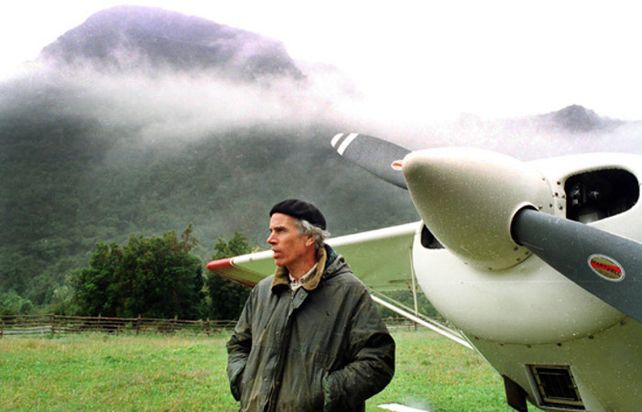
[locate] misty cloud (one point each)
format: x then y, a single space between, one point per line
534 137
170 105
168 77
187 105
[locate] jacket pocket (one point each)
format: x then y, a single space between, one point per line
236 384
330 401
338 398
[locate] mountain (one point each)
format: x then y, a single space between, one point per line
577 119
131 37
132 126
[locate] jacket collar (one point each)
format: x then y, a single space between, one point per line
282 279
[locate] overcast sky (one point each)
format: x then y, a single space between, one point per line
494 59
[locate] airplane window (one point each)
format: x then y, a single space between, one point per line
599 194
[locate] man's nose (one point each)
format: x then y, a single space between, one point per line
270 238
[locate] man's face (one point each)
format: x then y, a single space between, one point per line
288 245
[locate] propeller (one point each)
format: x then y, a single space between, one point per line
379 157
607 265
491 211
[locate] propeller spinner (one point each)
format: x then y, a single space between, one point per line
468 197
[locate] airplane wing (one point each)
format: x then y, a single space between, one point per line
380 258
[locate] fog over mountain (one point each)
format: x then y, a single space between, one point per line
143 120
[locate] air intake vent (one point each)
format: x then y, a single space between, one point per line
428 240
599 194
557 387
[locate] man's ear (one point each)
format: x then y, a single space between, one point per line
309 241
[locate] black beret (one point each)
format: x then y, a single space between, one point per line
301 210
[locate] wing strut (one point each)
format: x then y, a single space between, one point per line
414 286
430 324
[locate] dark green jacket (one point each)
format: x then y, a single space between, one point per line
321 348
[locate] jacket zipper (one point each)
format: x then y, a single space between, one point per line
285 340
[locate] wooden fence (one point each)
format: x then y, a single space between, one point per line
58 324
54 324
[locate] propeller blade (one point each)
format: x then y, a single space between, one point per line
607 265
379 157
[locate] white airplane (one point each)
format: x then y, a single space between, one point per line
537 265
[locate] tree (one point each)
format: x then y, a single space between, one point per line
226 298
12 303
152 277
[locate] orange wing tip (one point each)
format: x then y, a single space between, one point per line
226 269
220 264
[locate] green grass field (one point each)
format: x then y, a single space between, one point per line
187 373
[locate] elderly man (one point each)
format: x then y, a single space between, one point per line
309 337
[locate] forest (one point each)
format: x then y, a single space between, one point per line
69 184
104 142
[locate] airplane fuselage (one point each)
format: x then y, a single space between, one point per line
561 346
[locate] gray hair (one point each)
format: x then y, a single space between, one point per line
307 228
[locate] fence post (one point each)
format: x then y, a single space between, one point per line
174 324
207 327
53 324
138 324
1 327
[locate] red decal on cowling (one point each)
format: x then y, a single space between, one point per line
606 267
